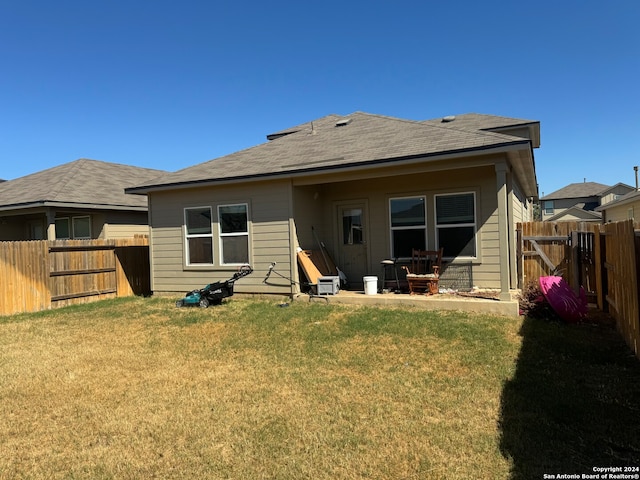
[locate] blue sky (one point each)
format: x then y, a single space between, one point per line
167 84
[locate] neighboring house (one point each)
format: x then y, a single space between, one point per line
80 199
368 187
626 207
580 201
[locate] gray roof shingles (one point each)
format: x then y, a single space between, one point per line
82 182
577 190
321 144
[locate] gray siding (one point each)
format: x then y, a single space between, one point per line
377 192
269 215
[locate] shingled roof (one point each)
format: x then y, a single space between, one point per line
337 142
81 183
577 190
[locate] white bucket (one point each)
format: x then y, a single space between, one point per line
370 285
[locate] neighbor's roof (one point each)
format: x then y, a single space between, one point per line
575 212
337 142
578 190
81 183
633 196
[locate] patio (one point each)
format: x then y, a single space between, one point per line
441 301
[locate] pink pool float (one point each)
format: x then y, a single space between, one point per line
570 307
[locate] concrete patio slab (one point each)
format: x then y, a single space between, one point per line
446 301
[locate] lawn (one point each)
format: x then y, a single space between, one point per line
136 388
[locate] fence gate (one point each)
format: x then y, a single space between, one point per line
558 248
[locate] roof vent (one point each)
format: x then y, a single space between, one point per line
448 118
343 122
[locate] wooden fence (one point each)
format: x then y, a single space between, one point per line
558 248
604 259
39 275
619 271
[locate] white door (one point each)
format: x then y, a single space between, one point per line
352 241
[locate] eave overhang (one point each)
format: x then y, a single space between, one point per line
510 148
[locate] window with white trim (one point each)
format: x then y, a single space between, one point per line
408 225
233 221
456 224
198 236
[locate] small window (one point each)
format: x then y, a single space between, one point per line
352 227
234 233
81 227
63 228
548 207
408 225
199 236
456 224
630 214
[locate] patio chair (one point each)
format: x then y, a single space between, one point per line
424 272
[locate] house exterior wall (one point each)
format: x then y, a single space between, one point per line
125 224
105 224
562 204
616 192
301 212
377 192
617 213
269 205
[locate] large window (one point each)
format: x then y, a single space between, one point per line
456 224
234 233
408 225
199 236
74 227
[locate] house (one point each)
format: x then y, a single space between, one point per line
579 201
626 207
368 187
80 199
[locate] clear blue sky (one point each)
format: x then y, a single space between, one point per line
168 84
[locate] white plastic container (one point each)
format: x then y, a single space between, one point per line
370 285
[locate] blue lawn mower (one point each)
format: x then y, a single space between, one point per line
214 293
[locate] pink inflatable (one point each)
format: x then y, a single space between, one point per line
570 307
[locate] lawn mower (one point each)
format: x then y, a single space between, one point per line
213 293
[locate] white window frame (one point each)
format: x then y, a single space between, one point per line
188 236
457 225
222 235
411 227
73 226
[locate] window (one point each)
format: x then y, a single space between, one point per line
74 227
352 232
81 227
408 225
199 236
456 224
63 228
234 234
548 207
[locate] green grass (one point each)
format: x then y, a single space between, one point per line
136 388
